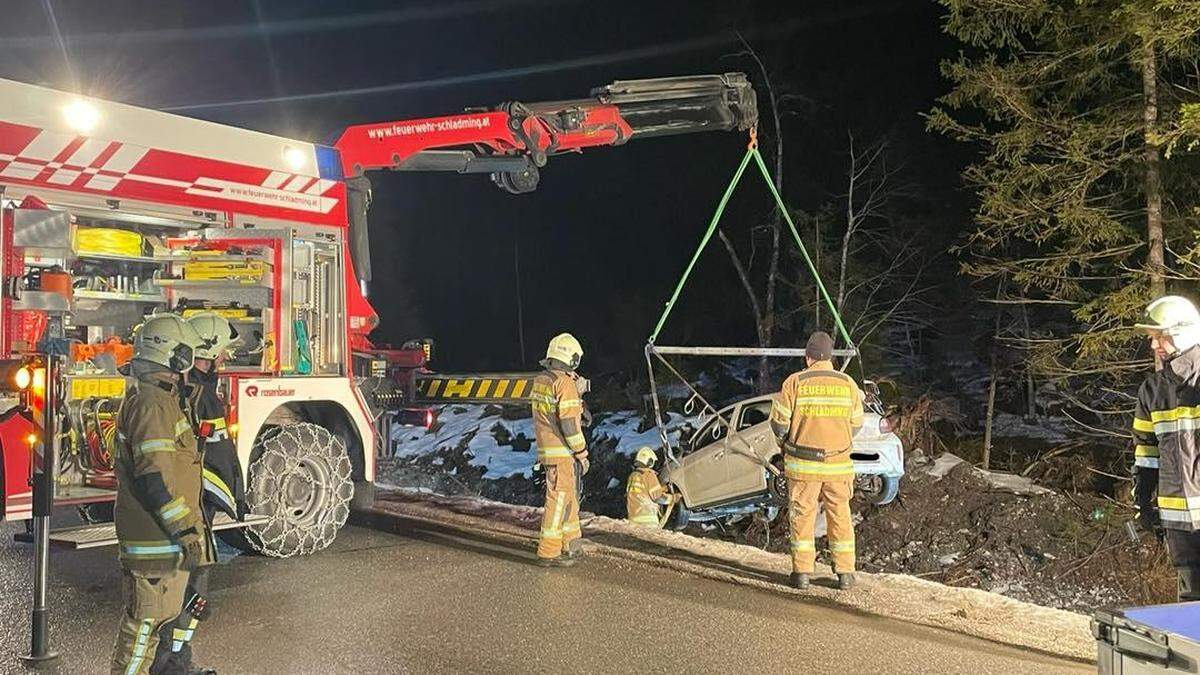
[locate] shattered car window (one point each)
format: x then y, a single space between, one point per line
754 413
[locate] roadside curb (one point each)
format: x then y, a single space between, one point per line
972 612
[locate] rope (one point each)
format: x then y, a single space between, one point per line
752 152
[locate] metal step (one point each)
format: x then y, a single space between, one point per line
105 534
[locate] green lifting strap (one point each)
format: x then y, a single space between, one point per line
751 152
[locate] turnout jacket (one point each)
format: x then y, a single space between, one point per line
557 414
158 470
642 492
222 474
815 416
1166 432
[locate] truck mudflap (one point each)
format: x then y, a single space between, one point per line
1155 639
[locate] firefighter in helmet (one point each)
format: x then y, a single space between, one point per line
222 477
814 417
160 529
644 494
1166 431
561 449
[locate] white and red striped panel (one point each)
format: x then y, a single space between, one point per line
143 154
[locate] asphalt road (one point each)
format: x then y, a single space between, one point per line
426 600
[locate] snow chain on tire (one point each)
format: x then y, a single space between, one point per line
300 479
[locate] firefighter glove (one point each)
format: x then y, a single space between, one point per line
584 465
192 545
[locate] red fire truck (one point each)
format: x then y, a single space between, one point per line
111 212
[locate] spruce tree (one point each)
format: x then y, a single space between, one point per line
1071 104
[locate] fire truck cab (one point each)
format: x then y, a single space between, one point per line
113 212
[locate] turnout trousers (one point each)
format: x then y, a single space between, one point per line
175 637
560 518
152 600
1185 556
804 496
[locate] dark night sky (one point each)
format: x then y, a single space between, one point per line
607 234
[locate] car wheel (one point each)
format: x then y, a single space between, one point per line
300 480
680 516
777 485
878 489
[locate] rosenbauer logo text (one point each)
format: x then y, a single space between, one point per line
253 391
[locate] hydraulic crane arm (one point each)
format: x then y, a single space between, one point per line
513 140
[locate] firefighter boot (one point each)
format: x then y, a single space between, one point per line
845 581
560 561
799 580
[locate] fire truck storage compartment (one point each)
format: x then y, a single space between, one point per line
235 273
84 276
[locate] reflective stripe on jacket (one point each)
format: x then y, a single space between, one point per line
815 415
557 414
1166 432
222 475
642 492
158 470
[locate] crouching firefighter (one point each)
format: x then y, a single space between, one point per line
1166 430
160 531
815 417
561 449
644 494
222 481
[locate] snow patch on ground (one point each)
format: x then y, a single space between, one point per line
996 479
1050 429
503 447
622 426
471 421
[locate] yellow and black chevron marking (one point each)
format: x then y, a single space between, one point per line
478 388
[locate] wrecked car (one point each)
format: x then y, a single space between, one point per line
732 465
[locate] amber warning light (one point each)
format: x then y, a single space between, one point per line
20 375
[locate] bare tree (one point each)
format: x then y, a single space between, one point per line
880 261
764 308
871 186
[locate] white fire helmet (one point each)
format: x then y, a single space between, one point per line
1174 316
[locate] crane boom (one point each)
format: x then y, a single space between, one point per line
513 140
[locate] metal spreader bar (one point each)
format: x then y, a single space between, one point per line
782 352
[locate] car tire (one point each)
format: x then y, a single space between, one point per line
300 480
777 485
680 516
878 489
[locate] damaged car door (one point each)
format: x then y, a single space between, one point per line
701 473
749 449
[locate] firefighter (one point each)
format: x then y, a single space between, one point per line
814 417
1166 431
160 530
644 495
561 449
222 478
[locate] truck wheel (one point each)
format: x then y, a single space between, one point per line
300 480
